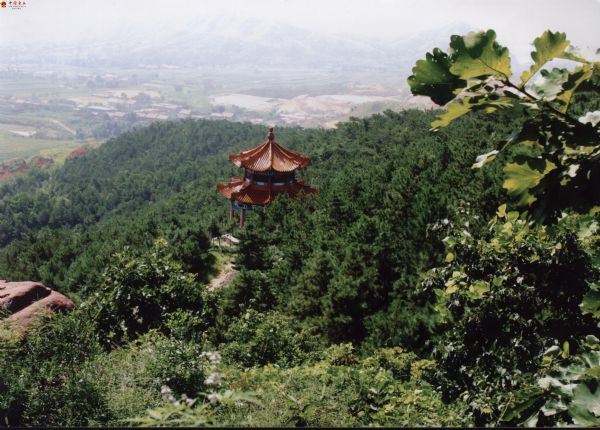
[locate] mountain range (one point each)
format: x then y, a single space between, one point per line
227 41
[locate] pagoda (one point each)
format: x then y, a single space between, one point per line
269 170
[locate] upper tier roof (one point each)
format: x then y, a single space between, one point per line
270 156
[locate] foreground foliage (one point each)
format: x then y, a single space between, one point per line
568 391
337 388
506 297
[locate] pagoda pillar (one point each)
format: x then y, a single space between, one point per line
242 217
231 209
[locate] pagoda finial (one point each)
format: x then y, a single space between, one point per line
271 136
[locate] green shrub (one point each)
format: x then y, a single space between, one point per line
339 355
249 290
218 407
46 379
187 412
190 247
175 363
398 361
129 389
343 390
256 339
137 292
185 325
132 376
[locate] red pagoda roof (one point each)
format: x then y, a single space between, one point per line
270 156
253 194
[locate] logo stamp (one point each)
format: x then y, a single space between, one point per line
13 4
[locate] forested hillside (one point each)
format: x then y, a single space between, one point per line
61 228
412 289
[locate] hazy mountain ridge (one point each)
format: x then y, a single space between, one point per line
230 41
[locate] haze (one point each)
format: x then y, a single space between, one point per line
516 22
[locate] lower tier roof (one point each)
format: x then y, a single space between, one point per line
252 194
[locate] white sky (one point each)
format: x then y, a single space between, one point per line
517 22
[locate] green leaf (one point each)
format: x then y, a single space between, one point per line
591 340
452 288
549 84
591 118
585 407
155 414
479 55
432 78
521 178
526 400
488 102
591 303
590 359
587 229
565 349
553 350
454 110
512 216
576 78
581 416
548 46
532 420
552 407
593 373
501 212
479 289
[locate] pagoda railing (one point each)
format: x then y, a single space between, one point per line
270 177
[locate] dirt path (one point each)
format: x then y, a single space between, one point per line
70 130
224 278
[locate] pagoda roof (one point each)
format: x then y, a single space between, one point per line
247 192
270 156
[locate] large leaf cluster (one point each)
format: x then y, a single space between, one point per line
557 166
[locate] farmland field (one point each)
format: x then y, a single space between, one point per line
62 107
14 146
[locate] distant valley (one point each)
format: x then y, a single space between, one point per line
56 98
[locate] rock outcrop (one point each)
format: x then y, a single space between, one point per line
26 302
79 152
18 166
11 168
38 161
